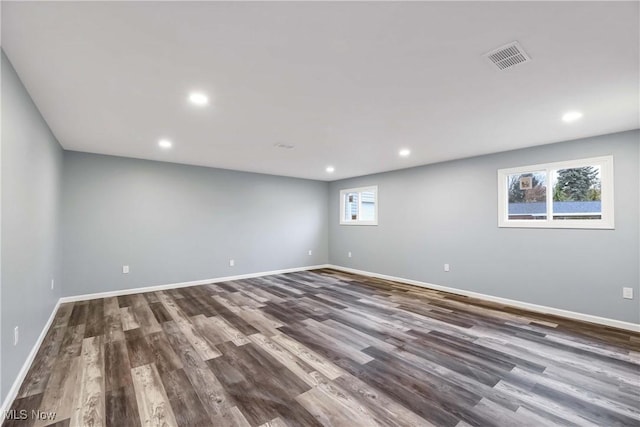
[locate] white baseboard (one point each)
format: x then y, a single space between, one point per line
186 284
13 391
635 327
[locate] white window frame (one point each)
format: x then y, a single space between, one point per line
374 190
607 204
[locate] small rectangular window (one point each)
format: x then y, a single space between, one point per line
572 194
359 206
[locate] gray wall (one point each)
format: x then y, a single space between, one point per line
447 213
31 178
174 223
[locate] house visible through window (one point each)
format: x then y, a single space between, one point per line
573 194
359 206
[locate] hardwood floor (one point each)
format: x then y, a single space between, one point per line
326 348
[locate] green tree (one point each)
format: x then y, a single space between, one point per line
595 192
558 195
577 184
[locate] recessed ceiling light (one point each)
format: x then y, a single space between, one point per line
198 98
330 169
404 152
165 144
572 116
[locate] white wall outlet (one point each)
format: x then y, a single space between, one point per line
232 262
349 254
310 252
627 293
447 267
53 283
125 269
15 336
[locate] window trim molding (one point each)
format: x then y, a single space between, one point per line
607 200
373 188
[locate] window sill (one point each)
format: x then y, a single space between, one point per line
599 225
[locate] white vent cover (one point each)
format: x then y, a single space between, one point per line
508 56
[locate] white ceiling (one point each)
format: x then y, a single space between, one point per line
348 84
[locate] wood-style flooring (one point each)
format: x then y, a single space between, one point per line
325 348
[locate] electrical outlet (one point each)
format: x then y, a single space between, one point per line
15 336
627 293
125 269
53 282
310 252
446 267
349 254
232 262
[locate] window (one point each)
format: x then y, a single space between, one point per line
572 194
359 206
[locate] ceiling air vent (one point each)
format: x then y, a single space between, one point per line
508 56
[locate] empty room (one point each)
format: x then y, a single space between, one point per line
315 213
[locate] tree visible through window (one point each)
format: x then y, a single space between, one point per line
577 193
528 201
566 194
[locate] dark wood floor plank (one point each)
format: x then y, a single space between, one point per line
186 405
38 375
187 328
161 314
78 314
259 383
151 297
121 407
387 411
252 402
137 348
117 367
144 315
162 354
63 314
294 364
71 342
216 401
410 391
95 318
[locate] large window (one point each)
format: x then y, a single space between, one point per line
359 206
572 194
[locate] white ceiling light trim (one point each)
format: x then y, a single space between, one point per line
165 144
199 99
571 116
